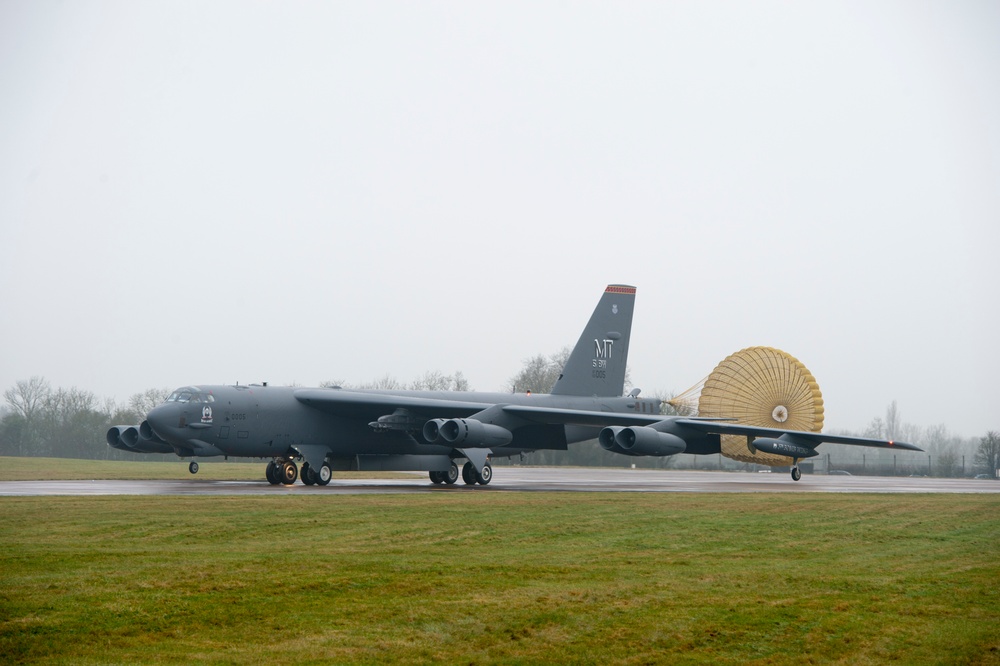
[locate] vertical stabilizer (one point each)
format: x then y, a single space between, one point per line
596 366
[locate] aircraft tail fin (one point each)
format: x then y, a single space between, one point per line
596 366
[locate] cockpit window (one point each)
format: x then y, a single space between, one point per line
190 394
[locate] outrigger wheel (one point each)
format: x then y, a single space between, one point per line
760 386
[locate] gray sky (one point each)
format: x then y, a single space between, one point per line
199 192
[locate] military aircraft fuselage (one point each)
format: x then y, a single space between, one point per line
267 421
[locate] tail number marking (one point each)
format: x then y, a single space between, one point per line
602 352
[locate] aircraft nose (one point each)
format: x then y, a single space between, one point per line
163 419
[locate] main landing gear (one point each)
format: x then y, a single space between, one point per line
281 472
469 475
316 477
193 467
450 476
285 472
472 477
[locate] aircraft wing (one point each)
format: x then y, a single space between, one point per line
370 405
556 416
359 404
706 425
811 439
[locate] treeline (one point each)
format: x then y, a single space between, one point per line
945 453
39 420
429 381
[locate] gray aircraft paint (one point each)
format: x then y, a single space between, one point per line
339 429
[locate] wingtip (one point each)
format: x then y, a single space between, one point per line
904 445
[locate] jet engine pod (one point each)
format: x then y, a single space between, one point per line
432 430
470 432
644 441
607 439
131 439
780 447
114 437
146 432
130 436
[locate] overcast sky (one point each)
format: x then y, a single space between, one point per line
212 192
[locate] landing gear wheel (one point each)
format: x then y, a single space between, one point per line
307 474
451 476
288 472
271 472
469 474
324 475
193 467
436 478
483 477
796 474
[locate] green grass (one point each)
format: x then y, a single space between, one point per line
481 577
72 469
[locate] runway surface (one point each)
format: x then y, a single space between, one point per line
524 479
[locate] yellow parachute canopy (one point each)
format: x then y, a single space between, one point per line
759 386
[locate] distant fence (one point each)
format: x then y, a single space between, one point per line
898 464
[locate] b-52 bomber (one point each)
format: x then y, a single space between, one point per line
449 433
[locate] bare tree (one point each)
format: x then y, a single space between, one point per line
892 421
435 381
539 373
431 381
27 399
988 454
875 429
140 404
28 396
459 382
386 382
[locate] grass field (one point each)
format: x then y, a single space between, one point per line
501 577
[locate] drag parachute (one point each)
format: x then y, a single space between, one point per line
759 386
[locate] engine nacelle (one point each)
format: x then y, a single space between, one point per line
783 448
473 433
114 437
432 430
146 433
132 439
641 441
130 436
607 439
